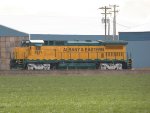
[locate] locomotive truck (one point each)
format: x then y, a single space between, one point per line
88 54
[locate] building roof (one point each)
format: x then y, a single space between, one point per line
134 36
6 31
66 37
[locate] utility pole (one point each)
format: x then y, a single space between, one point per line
105 19
108 27
29 37
114 20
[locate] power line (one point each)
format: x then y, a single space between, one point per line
130 27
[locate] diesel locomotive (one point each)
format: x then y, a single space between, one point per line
88 54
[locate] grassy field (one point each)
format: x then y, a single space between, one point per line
75 94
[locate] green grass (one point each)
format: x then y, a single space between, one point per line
75 94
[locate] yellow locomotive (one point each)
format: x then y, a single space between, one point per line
40 55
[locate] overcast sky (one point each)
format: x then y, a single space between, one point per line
72 16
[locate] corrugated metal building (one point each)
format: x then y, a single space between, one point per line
138 46
66 37
9 38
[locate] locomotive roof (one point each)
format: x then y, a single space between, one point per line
98 42
115 42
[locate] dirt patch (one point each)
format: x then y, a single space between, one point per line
75 72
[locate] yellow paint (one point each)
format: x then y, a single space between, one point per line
71 52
